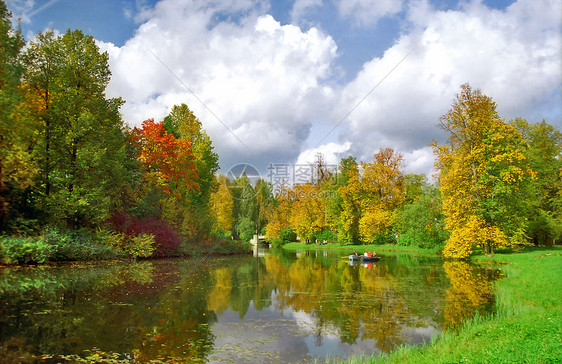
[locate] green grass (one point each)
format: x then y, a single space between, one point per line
362 248
527 327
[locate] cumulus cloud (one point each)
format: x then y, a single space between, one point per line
260 87
255 85
514 56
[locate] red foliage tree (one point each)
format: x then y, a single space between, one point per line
167 162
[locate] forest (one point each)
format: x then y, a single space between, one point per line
77 182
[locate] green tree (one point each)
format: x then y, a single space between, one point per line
17 169
245 209
350 205
483 177
421 222
81 148
544 154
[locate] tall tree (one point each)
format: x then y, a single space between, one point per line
81 149
544 154
483 176
197 216
221 206
307 214
350 194
16 166
382 191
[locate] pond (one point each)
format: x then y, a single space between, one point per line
277 307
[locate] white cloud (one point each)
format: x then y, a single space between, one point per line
302 7
265 85
261 80
368 12
331 152
514 56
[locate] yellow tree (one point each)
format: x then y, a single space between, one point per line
222 205
483 176
382 190
278 215
307 214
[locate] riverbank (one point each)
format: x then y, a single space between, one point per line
87 245
527 326
362 248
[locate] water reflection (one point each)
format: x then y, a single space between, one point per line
277 307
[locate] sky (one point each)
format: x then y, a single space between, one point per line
276 82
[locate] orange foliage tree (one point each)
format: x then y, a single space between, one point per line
167 162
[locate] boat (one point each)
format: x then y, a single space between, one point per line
354 257
374 258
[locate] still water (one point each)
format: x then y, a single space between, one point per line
278 307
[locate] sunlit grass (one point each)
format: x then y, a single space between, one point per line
361 248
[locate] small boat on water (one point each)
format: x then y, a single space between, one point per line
374 258
358 258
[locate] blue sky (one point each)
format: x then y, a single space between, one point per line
271 79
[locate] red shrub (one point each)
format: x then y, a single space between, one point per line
167 239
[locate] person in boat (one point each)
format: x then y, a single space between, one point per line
369 254
374 253
355 253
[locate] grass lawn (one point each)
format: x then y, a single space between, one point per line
527 327
360 249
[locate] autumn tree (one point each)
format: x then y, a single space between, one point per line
221 206
195 211
483 176
278 215
382 191
307 213
166 162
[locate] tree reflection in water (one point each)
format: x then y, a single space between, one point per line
275 308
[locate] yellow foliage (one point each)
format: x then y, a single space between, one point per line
222 205
307 213
482 175
469 290
375 222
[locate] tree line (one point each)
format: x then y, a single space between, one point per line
498 185
71 168
69 164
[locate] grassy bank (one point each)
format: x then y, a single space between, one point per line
362 248
527 327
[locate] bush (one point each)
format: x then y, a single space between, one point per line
24 250
81 244
326 235
136 246
286 235
166 240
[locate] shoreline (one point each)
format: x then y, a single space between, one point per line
525 328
